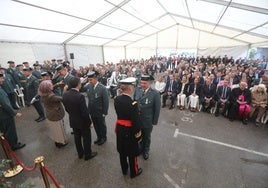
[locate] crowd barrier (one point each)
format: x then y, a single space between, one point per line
16 169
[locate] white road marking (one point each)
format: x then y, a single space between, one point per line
176 133
219 143
171 181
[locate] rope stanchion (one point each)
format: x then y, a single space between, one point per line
52 177
39 160
15 157
45 171
14 169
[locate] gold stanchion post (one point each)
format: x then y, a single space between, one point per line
40 160
14 169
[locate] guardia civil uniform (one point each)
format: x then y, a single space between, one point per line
7 122
149 106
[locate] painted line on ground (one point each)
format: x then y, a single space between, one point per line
177 132
171 181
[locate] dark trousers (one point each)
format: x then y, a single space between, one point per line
8 128
172 98
220 105
113 91
85 136
100 127
39 108
146 139
133 164
13 100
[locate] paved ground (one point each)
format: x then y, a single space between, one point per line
188 150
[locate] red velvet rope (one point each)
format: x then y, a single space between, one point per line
16 158
51 176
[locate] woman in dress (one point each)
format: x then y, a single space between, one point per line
54 113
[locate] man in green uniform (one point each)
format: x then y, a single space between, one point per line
98 105
7 122
149 105
32 86
9 87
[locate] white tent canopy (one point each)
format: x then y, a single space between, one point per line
136 26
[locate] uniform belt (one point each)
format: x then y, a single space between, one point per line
23 81
123 122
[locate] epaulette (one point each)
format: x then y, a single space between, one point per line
134 102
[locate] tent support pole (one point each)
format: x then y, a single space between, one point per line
102 53
197 49
156 48
125 52
65 52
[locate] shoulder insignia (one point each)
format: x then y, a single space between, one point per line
134 102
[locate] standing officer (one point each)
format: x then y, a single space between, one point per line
98 105
32 86
65 77
149 104
9 87
7 122
128 131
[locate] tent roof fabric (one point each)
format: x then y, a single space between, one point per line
136 23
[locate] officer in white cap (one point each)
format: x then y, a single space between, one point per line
127 129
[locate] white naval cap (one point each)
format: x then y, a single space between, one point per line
128 81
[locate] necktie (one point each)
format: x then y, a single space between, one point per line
143 92
170 86
224 92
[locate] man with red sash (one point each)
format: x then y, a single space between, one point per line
127 128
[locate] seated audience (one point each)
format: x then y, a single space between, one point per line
258 102
182 91
170 91
239 103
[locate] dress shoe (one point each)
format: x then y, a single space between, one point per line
18 146
171 107
139 173
90 156
146 156
97 141
37 119
60 145
102 141
163 106
245 121
80 156
41 119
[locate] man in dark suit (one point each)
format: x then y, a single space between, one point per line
170 91
98 105
222 97
7 122
149 104
128 131
31 91
208 96
80 122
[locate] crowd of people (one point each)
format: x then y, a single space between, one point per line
233 88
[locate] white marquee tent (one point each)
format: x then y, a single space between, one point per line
108 30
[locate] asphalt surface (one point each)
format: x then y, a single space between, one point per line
188 150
